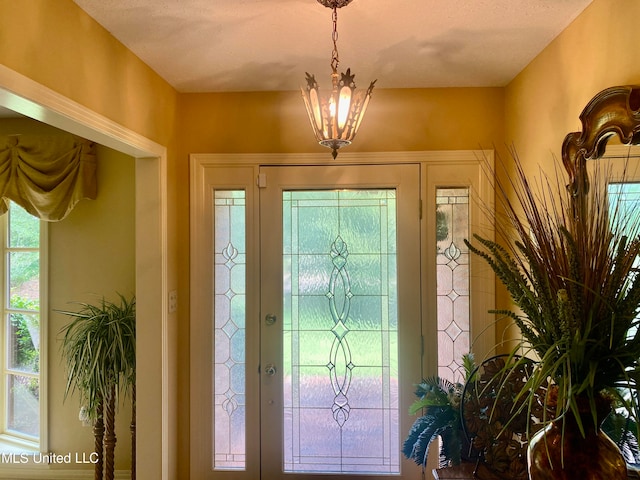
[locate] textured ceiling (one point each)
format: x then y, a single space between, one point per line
249 45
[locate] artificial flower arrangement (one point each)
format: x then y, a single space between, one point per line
568 260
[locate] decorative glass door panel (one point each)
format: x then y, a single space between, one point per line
340 346
452 267
229 330
345 250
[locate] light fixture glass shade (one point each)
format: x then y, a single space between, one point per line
335 119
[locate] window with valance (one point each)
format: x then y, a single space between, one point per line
47 175
42 178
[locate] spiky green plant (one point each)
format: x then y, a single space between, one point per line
99 350
439 401
99 347
570 271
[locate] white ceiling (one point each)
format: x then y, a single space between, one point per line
251 45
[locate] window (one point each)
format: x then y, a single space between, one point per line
452 264
229 336
22 325
624 199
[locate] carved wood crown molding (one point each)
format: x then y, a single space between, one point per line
613 111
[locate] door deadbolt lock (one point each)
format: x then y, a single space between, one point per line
270 369
270 319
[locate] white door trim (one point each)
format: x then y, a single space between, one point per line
480 182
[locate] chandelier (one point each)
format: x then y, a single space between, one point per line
335 120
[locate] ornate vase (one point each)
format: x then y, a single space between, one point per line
562 452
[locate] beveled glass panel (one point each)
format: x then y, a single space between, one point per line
452 280
229 442
340 370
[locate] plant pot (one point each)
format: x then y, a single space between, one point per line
561 452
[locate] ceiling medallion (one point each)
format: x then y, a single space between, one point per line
334 3
335 120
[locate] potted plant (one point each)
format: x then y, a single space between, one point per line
99 350
568 261
439 401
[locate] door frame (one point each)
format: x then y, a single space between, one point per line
482 279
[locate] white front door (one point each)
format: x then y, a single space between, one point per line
339 318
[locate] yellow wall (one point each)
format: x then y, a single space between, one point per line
598 50
543 103
397 120
58 45
54 43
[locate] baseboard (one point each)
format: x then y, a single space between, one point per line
35 473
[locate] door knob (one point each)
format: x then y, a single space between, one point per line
270 369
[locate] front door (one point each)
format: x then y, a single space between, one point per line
340 318
305 332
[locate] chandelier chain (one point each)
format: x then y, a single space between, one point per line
335 58
335 118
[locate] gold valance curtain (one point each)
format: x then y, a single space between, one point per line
46 174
